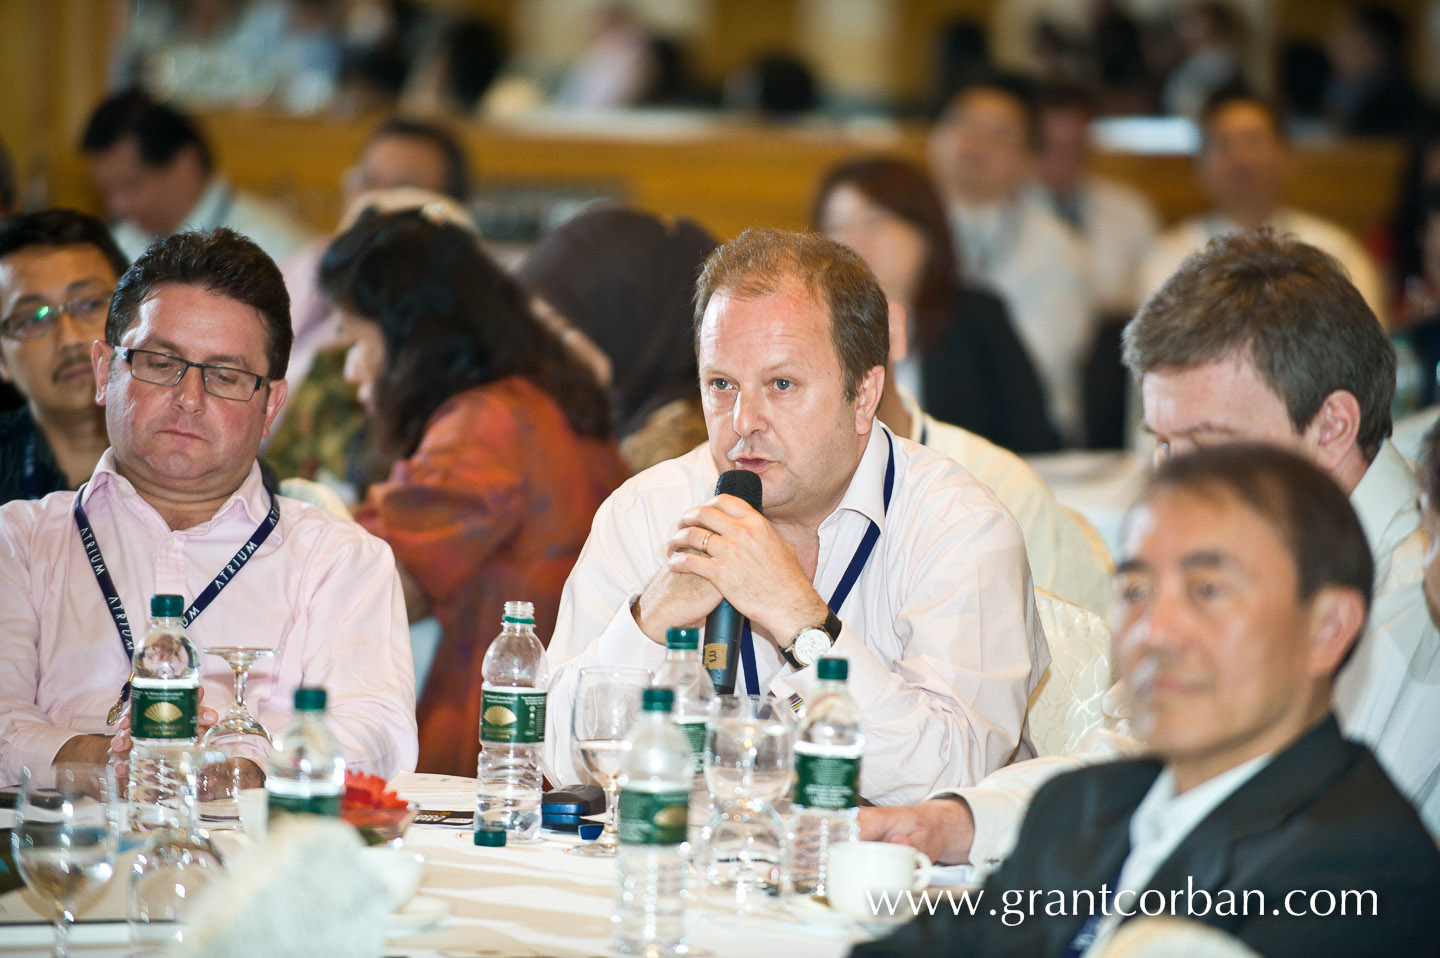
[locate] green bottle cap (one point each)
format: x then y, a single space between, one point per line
167 606
490 837
682 638
522 612
309 700
833 670
657 700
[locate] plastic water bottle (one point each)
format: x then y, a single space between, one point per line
654 782
512 727
827 775
164 719
683 672
306 773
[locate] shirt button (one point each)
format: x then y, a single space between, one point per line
170 543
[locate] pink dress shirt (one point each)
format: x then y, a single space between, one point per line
320 591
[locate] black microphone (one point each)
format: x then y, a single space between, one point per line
724 626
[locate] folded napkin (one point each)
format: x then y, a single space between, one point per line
305 891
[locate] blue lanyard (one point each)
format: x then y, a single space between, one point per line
202 601
32 486
842 591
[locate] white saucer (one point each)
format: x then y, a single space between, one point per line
418 914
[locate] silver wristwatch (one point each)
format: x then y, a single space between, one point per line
812 644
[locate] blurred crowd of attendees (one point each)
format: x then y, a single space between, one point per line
1153 58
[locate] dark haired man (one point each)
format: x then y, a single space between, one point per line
158 177
1244 581
191 374
57 271
982 155
1241 169
1262 338
937 618
407 152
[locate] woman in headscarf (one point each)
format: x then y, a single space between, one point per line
618 286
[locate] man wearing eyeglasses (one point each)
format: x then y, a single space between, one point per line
57 270
191 375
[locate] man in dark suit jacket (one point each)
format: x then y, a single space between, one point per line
1245 582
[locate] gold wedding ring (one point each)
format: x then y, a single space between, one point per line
705 542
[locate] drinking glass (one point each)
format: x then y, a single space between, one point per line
749 759
65 838
606 705
243 744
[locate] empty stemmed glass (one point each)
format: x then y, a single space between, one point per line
749 758
244 742
65 838
606 705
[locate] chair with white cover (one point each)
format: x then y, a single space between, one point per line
1066 705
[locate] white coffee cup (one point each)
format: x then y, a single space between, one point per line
858 873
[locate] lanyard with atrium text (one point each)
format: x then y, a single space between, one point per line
202 601
842 591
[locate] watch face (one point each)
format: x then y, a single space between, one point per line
811 645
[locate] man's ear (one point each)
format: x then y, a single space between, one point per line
1335 429
867 399
1337 614
274 399
100 356
899 333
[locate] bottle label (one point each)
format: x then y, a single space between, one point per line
514 715
168 710
694 730
653 818
305 804
826 776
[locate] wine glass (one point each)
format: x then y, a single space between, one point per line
749 757
606 704
243 742
65 837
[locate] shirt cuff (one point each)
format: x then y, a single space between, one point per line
997 816
623 642
35 744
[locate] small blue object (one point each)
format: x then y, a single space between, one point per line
565 808
591 831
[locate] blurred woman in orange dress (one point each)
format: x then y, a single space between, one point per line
500 442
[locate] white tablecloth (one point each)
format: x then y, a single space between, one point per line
524 899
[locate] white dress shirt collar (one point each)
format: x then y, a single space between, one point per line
1163 819
866 492
251 497
1387 484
